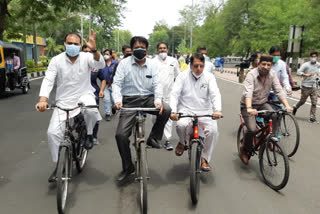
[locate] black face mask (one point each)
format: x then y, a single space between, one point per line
263 72
129 54
139 53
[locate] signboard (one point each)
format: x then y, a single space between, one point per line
295 39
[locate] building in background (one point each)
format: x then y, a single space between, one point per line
41 43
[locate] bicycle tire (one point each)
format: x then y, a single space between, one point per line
143 179
275 155
62 179
286 131
195 172
81 152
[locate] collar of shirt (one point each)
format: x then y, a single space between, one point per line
133 62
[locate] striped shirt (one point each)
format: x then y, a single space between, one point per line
133 80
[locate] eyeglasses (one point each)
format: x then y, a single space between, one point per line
198 66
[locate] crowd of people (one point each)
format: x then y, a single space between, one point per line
171 84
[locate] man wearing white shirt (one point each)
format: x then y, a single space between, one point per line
168 70
195 91
280 67
71 72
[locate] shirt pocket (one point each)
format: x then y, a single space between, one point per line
203 91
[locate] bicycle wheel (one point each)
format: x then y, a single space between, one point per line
62 179
274 165
195 172
81 152
143 179
290 134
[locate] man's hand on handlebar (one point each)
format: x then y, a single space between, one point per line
252 111
174 117
117 106
41 106
160 107
216 115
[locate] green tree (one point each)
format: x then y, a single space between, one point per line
52 48
156 37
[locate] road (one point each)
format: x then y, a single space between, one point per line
230 187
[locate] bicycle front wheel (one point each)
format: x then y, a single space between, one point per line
290 134
62 179
143 179
195 172
274 165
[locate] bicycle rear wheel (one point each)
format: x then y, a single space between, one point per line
274 165
143 179
195 172
290 134
81 152
62 179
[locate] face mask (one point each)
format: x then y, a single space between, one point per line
313 59
139 54
163 55
72 50
263 72
276 59
106 57
196 76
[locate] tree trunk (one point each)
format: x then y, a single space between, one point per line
3 14
35 54
24 40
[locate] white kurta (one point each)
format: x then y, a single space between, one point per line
202 96
168 70
73 86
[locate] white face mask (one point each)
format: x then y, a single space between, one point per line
106 57
313 59
196 76
163 55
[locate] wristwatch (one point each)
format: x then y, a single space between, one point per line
94 51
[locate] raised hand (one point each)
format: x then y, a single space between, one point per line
92 40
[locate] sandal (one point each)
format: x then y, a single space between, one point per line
205 165
179 149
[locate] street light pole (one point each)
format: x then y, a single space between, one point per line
191 26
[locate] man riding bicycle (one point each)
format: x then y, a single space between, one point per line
196 92
71 72
257 87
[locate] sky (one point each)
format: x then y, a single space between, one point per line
141 15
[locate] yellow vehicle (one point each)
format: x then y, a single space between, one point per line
12 78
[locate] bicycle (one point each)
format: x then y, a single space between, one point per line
271 153
288 130
195 147
141 165
71 149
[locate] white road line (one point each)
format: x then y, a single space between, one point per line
291 98
36 78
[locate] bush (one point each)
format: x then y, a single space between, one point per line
30 63
44 60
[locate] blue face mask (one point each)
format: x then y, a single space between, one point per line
72 50
276 59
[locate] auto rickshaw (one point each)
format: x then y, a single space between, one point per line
10 77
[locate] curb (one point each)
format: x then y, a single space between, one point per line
36 74
227 71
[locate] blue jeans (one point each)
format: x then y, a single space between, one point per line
108 100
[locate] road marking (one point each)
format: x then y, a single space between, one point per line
291 98
35 78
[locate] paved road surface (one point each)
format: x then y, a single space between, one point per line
230 188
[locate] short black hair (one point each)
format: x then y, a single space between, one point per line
274 49
108 50
314 52
197 56
254 56
72 33
201 48
266 58
125 47
160 44
139 39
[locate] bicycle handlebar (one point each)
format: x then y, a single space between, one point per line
197 116
271 111
80 105
139 109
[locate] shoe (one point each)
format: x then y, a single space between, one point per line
113 110
108 117
153 143
243 156
180 149
168 146
53 176
7 89
205 165
89 142
95 141
313 121
294 111
125 174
